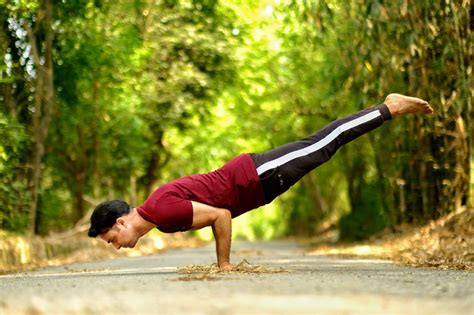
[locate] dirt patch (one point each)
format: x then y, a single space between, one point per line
244 267
18 253
447 243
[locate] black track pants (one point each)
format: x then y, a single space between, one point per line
282 167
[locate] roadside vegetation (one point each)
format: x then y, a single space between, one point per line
103 99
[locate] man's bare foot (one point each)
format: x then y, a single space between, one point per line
399 105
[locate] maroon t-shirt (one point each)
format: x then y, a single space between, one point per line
235 186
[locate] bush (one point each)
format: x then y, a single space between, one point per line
366 218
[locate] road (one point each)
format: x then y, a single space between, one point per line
312 285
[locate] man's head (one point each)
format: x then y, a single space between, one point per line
111 221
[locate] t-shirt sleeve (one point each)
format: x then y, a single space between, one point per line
170 213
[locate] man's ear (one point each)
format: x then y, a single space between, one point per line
120 221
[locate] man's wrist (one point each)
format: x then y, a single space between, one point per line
226 266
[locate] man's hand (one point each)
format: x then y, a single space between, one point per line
221 222
226 266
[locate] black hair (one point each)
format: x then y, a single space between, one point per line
105 215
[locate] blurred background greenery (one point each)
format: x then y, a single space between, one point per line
103 99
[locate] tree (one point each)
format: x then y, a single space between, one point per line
42 54
32 23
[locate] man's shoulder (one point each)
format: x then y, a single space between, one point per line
171 188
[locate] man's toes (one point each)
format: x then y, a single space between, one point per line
419 100
428 109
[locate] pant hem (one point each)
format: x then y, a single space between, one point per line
385 112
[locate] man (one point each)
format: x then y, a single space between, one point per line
244 183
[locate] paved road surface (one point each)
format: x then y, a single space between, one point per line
313 285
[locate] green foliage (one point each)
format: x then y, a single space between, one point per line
14 195
366 218
150 90
125 72
364 50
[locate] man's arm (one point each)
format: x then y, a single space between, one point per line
221 222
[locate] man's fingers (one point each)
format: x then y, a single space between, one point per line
226 266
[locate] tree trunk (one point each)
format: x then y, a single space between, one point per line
79 195
159 158
133 190
316 196
379 166
80 167
43 102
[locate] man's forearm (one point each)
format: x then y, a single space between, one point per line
222 229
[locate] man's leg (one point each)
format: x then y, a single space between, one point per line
282 167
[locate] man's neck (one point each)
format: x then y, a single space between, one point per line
141 225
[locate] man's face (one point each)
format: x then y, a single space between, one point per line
121 235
